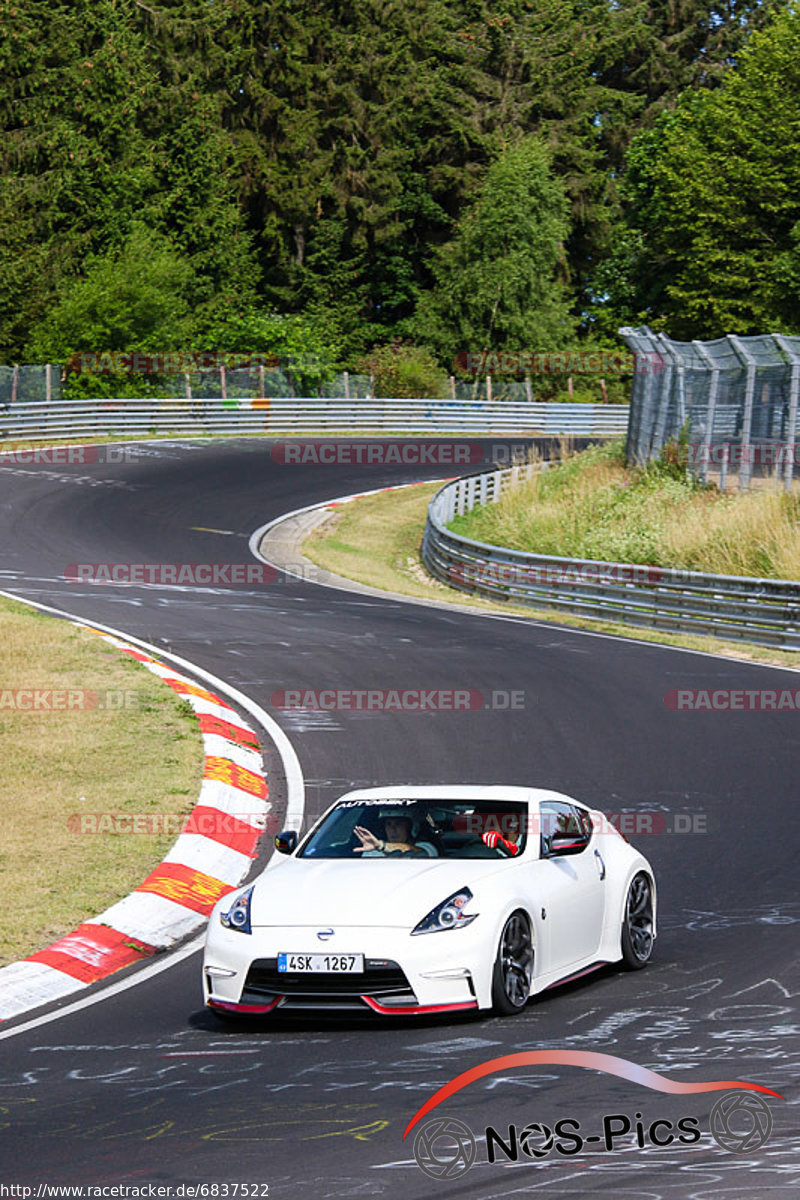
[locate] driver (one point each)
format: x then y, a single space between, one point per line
398 837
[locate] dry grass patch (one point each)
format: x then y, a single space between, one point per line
376 540
593 506
138 749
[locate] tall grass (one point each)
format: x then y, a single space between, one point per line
593 506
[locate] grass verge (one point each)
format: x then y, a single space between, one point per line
376 540
124 744
593 506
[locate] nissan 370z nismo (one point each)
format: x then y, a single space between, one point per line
432 899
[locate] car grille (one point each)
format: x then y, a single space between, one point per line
381 979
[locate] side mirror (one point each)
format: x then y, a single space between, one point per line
286 841
566 843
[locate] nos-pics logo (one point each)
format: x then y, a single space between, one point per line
445 1148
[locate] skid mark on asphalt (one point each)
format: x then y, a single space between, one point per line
309 721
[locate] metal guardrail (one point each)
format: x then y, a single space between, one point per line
762 611
97 418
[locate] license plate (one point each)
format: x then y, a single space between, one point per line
334 964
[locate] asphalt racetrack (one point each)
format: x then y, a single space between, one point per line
145 1087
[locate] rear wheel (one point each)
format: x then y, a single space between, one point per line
513 966
637 923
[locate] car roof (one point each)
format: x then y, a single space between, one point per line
458 791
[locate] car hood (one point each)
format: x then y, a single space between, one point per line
375 891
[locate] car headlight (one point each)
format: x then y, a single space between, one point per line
449 914
238 915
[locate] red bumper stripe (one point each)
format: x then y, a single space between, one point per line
230 1006
398 1010
578 975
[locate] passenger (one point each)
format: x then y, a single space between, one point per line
498 841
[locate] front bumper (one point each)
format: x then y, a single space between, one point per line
428 973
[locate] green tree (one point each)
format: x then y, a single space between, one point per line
713 199
500 282
135 298
97 134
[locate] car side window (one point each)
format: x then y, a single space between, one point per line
559 817
584 821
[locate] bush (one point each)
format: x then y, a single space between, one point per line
402 369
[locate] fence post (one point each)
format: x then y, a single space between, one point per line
654 398
261 388
658 431
528 389
188 385
747 422
14 383
347 385
794 390
489 389
677 359
711 409
48 386
222 382
453 387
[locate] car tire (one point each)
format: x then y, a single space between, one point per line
637 923
513 966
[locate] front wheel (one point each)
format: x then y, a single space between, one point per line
637 924
513 966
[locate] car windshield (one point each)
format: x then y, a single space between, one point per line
417 828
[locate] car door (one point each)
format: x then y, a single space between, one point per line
571 888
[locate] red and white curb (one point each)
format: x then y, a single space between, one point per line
210 858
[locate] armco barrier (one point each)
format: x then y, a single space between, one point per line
278 417
762 611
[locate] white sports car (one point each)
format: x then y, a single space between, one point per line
432 899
